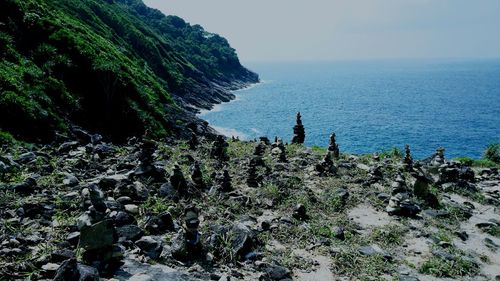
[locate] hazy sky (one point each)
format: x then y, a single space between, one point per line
264 30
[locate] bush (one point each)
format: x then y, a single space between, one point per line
492 153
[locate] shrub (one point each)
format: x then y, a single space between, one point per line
492 153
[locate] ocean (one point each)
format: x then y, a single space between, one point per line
372 105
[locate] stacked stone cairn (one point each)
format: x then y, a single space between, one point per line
333 147
97 233
408 160
197 177
223 181
219 148
187 244
253 177
146 167
178 180
400 203
326 166
193 142
298 131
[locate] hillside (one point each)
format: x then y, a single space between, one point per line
114 67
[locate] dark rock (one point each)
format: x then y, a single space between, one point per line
26 187
436 213
242 241
129 233
150 246
26 157
159 224
87 273
97 236
276 272
68 271
338 232
178 181
300 212
61 255
73 238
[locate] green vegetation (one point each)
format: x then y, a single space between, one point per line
492 153
441 267
111 66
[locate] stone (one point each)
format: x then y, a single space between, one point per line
374 250
87 273
159 224
97 236
26 157
26 187
298 131
276 272
150 246
73 238
178 181
70 180
242 240
438 157
97 198
61 255
132 209
129 233
300 212
68 270
338 232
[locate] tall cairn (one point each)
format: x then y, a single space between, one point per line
408 160
333 147
299 134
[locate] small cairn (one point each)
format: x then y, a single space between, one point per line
146 167
260 149
326 166
253 178
177 180
219 147
197 176
279 150
193 142
408 160
400 203
298 131
333 147
186 245
438 157
300 212
223 181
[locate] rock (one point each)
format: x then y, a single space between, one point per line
87 273
67 271
159 224
431 213
374 250
26 157
61 255
26 187
178 181
97 236
150 246
50 269
70 180
242 241
122 218
73 238
129 233
490 244
338 232
276 272
84 220
132 209
300 212
407 278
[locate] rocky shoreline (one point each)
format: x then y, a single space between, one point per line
204 209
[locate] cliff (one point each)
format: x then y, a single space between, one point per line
118 68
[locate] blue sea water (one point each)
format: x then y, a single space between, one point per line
372 105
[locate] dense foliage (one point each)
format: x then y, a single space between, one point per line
110 66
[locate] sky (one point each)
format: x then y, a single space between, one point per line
309 30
